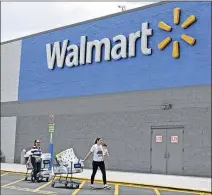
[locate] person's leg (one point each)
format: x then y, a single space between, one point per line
38 169
102 168
34 168
95 168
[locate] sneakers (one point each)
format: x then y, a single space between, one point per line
92 186
107 186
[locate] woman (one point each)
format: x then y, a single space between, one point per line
98 161
35 159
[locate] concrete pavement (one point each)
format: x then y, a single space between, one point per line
167 181
14 183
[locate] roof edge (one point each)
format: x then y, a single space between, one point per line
87 21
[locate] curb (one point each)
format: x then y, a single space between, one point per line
130 184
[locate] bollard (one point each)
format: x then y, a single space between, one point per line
22 156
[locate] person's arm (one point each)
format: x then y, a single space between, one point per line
91 151
87 155
102 153
107 153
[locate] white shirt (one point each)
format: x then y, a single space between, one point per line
97 151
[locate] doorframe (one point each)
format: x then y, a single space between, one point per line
167 127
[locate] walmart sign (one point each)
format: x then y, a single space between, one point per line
123 47
83 55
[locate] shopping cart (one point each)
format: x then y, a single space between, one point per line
67 165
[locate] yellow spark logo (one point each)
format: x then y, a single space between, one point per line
188 39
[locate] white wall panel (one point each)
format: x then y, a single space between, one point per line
10 67
8 134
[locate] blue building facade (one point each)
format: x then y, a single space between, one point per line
141 72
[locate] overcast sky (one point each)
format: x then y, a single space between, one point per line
24 18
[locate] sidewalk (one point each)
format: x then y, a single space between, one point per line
180 182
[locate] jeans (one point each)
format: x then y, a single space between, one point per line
36 168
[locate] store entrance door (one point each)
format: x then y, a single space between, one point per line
174 151
167 151
158 151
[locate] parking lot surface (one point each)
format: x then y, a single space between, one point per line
13 183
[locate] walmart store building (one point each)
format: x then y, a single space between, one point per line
140 79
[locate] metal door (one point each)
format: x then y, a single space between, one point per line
174 151
158 151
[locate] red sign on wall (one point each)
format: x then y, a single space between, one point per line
174 139
159 138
